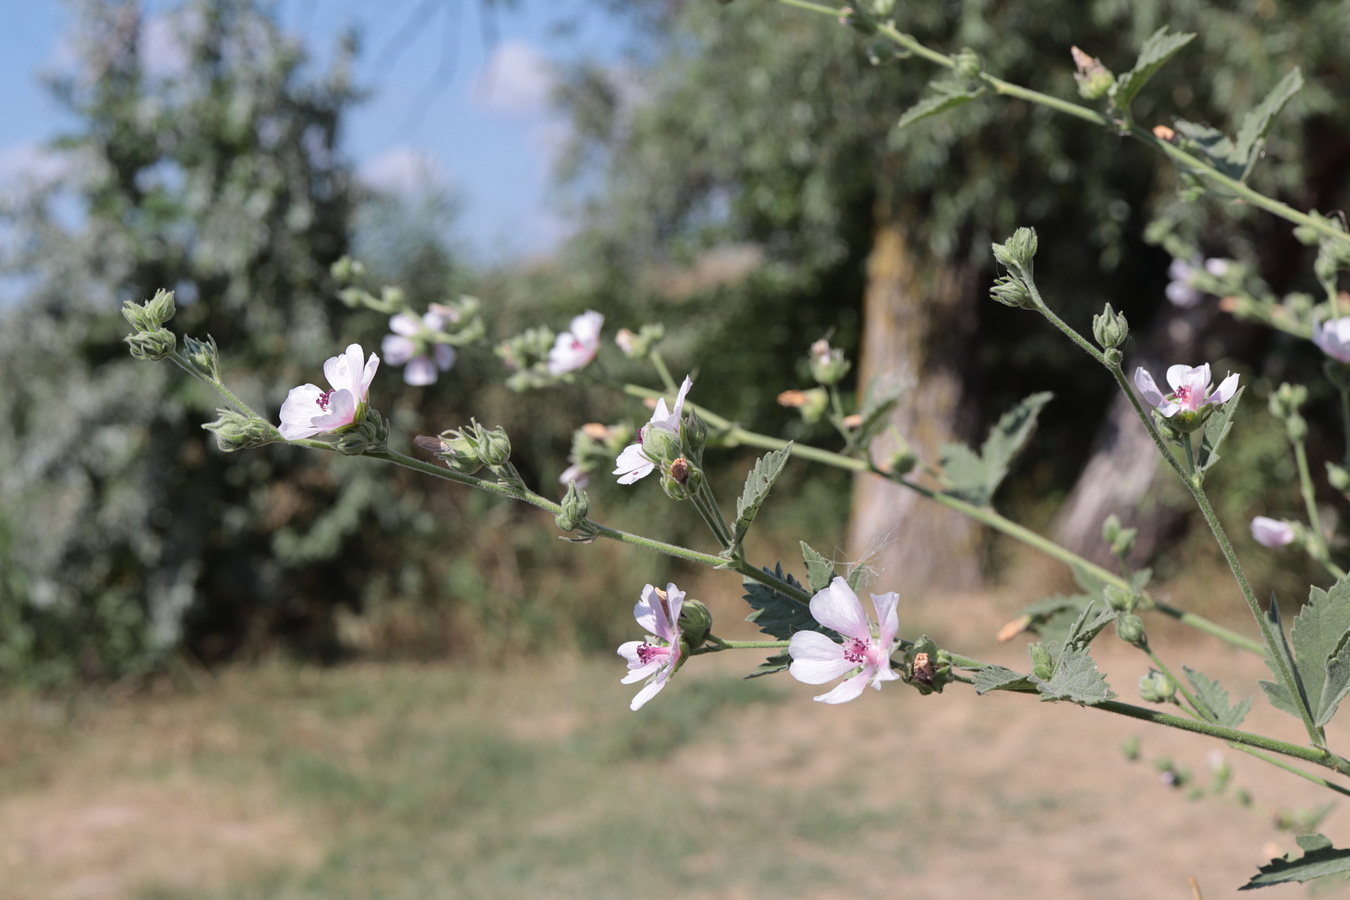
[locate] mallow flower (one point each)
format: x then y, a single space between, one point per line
410 343
1272 533
576 347
309 410
865 654
1180 291
1190 389
1333 336
634 462
656 658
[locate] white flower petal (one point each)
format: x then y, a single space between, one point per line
632 464
397 349
838 607
1225 391
420 371
445 356
403 324
846 691
816 659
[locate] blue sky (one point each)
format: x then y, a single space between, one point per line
447 104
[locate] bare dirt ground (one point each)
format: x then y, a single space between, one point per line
998 796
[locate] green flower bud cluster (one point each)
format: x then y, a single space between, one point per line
1120 539
859 20
236 431
468 449
527 354
1156 687
828 364
204 357
641 344
151 339
1130 629
371 432
968 68
576 506
1014 289
1094 79
1110 328
696 622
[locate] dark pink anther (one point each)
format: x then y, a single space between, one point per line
323 400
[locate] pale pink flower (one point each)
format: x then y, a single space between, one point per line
1333 336
634 463
576 473
1190 389
656 658
1272 533
1180 289
309 411
410 342
578 346
865 654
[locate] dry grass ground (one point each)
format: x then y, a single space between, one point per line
536 781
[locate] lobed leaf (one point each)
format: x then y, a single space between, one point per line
999 678
1256 124
1076 679
1296 704
975 478
773 665
819 570
1213 700
963 473
1157 50
1320 636
1319 860
1216 429
757 484
932 106
776 613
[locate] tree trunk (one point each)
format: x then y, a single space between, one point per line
918 324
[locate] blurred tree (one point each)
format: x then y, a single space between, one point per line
205 159
760 126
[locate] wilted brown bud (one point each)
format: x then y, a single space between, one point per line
679 470
1163 133
1013 629
924 669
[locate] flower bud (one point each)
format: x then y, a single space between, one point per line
681 479
1155 687
203 356
369 432
639 345
1110 328
493 447
347 270
1042 663
812 403
902 459
1010 291
968 67
576 506
1120 538
858 20
1094 79
1019 251
694 432
1338 477
828 364
1118 598
695 622
236 431
151 314
661 445
151 345
1130 629
455 448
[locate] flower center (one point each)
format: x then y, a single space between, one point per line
855 651
1185 396
647 653
323 400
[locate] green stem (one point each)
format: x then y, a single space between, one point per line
662 372
1181 686
746 569
1316 755
1318 549
1292 769
719 644
1345 419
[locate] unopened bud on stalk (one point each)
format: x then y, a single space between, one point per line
694 434
828 364
151 314
1130 629
1155 687
236 431
494 447
1019 251
1110 328
1042 663
371 433
151 345
576 506
695 622
203 356
1010 291
1094 79
1120 539
812 403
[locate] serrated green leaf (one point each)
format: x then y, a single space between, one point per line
1216 429
772 665
932 106
1076 679
777 614
819 570
1256 124
855 577
963 473
757 484
1296 703
998 678
1319 860
1157 50
1319 637
1214 700
1140 579
1052 617
1089 581
975 478
1089 624
1009 436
